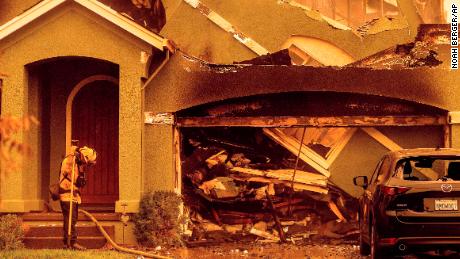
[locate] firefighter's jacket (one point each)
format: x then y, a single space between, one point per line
65 178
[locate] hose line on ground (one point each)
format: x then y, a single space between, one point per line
115 245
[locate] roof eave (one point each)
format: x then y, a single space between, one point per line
124 23
28 16
94 6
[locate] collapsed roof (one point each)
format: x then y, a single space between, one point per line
187 82
430 49
194 25
220 31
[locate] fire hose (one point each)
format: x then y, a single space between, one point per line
115 245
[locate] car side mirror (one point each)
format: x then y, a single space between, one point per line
361 181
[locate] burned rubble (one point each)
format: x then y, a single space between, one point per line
247 184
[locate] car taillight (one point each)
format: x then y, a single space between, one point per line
394 190
388 241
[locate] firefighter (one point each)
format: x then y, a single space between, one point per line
76 163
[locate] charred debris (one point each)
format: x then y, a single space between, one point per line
252 184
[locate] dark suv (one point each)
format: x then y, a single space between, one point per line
411 203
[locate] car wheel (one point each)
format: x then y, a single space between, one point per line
376 252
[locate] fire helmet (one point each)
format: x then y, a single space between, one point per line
88 155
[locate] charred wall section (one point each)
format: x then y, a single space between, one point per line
310 104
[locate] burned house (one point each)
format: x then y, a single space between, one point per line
249 118
266 124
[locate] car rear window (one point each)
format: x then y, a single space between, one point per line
428 168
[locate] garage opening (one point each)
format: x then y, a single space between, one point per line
250 170
240 178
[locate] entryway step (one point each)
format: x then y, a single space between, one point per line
55 230
56 242
57 216
50 236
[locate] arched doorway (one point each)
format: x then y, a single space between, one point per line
92 111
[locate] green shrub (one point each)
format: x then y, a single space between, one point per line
158 221
11 232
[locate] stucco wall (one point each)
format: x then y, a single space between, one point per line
198 36
159 169
415 137
158 161
455 136
70 30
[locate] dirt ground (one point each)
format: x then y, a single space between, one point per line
269 251
275 251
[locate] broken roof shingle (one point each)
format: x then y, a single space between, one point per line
380 25
280 58
429 50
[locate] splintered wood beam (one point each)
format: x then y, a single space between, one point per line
283 175
447 136
297 186
305 150
382 139
300 53
306 187
177 162
336 211
228 27
305 155
335 152
290 121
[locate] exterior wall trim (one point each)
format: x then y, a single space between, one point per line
291 121
454 117
28 16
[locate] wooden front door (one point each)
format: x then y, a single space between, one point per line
95 124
